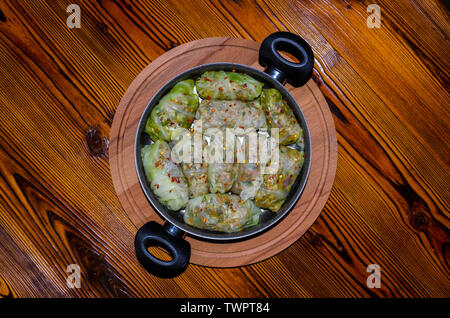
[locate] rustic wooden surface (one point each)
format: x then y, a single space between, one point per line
123 164
386 87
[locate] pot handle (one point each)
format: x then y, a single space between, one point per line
170 238
280 68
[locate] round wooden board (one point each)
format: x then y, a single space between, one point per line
123 133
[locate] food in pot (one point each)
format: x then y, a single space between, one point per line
230 100
275 187
228 86
280 115
166 178
221 212
175 110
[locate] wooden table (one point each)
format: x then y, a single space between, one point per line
386 88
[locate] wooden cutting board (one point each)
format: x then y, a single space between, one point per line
123 133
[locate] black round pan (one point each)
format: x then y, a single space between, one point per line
170 235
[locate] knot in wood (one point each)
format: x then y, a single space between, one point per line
97 143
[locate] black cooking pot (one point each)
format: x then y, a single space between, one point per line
170 235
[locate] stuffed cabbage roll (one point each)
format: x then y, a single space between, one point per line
197 177
221 176
166 178
231 114
195 173
249 177
221 212
248 181
175 110
228 86
275 187
280 115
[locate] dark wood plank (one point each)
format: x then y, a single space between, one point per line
387 89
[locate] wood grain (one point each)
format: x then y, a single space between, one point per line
123 137
387 90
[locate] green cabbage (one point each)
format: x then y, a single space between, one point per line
221 176
248 181
221 212
275 187
228 86
166 178
195 173
231 114
280 115
175 110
